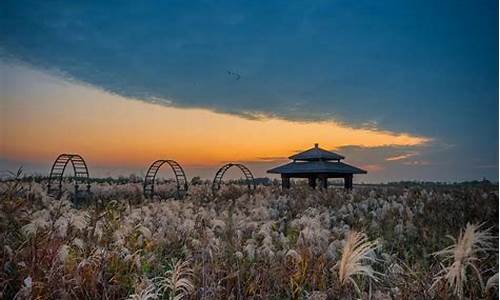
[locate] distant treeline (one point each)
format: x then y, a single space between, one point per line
484 181
133 179
259 181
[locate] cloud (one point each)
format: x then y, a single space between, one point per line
273 158
417 163
297 62
373 167
109 130
402 156
492 166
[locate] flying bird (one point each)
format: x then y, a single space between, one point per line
235 75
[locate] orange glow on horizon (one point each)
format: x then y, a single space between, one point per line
107 129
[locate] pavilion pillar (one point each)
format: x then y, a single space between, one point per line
348 182
312 181
285 181
324 182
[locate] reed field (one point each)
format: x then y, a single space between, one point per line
406 241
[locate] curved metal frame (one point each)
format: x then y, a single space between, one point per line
220 174
81 173
180 177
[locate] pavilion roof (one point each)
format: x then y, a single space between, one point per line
315 154
332 167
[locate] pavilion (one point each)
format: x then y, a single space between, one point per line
316 163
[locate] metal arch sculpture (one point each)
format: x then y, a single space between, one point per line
80 170
220 174
180 178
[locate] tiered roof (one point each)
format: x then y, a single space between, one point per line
316 160
316 153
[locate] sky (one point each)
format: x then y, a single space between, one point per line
407 90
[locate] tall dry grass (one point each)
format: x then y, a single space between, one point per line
356 259
463 257
177 283
492 283
267 245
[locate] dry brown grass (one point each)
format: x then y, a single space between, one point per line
268 245
356 258
464 255
177 282
492 282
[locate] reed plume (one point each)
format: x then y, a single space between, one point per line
177 282
356 258
464 255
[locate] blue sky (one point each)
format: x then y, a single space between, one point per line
427 68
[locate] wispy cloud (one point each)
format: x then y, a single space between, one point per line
402 156
492 166
373 167
417 163
273 158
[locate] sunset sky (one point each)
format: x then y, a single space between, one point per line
407 90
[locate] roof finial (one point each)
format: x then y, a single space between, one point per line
316 145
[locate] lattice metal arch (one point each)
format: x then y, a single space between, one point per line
220 174
180 178
80 176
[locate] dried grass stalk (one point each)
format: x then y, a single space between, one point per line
177 282
464 255
356 258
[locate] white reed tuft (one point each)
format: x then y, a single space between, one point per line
177 282
144 231
463 254
356 258
492 282
144 291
